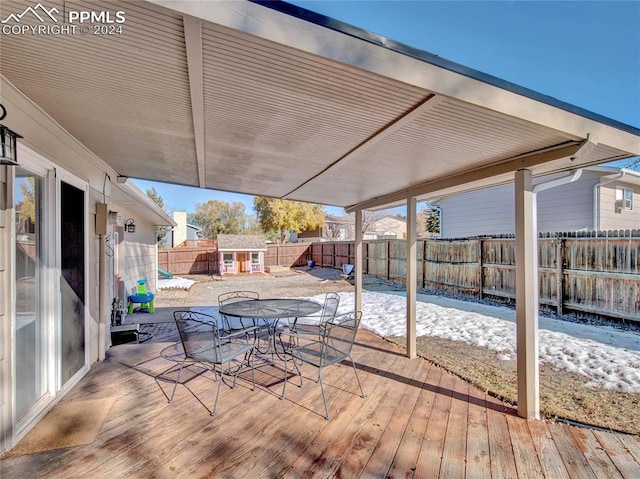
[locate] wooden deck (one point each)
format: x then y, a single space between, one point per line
418 421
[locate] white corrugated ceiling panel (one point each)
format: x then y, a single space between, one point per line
126 97
276 116
448 139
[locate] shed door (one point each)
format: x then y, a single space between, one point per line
242 262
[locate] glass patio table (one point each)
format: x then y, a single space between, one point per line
270 311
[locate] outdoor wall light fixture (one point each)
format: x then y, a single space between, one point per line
8 142
129 226
122 179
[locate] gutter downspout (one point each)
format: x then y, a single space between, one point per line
558 181
596 198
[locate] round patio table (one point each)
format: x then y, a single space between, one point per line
270 311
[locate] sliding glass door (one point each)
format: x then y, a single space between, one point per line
30 327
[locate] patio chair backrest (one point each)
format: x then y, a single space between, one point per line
199 334
331 303
233 296
340 334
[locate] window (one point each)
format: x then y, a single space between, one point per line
255 258
627 198
227 259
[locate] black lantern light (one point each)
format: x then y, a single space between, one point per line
130 226
8 143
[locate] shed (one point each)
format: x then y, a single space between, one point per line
241 253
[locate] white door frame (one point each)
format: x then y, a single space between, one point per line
64 176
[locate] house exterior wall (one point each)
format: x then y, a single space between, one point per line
616 218
48 147
5 307
180 231
139 255
492 210
386 225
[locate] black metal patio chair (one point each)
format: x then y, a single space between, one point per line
333 346
204 343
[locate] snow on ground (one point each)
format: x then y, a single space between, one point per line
174 283
607 357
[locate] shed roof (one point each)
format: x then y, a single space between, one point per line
201 93
241 243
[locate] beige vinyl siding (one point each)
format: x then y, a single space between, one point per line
482 212
568 207
491 211
138 254
617 219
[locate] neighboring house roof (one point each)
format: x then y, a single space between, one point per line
130 196
241 243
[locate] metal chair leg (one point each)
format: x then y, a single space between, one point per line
215 404
363 395
175 385
326 407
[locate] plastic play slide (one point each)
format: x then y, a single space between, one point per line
165 274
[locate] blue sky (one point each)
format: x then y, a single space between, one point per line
586 53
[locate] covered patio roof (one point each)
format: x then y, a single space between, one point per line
275 100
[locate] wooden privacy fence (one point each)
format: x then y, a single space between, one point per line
587 273
188 260
204 260
593 274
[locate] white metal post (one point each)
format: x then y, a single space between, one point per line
411 277
358 261
526 296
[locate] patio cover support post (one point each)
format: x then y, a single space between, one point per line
526 296
411 276
358 261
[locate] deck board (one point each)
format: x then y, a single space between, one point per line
478 459
417 421
430 457
500 449
455 445
573 458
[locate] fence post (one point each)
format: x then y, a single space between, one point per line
424 263
365 250
333 255
559 275
388 268
480 266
